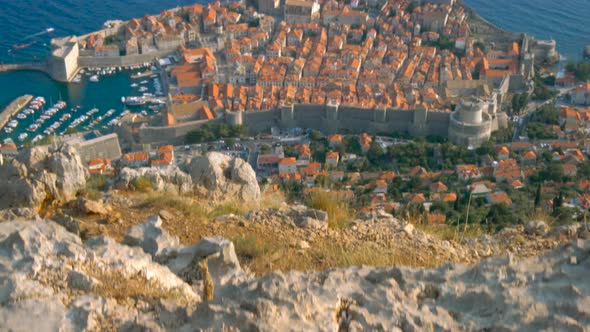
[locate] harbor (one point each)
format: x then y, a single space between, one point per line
97 100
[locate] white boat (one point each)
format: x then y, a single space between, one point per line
13 123
21 116
8 130
134 85
37 138
143 89
33 127
94 78
144 82
23 136
77 79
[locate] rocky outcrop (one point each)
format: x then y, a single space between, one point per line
151 237
169 179
50 280
221 177
40 176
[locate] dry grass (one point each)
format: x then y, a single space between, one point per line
339 211
186 205
115 284
453 233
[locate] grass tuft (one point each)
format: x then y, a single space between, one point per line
339 211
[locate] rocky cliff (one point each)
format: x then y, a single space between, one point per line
50 280
41 176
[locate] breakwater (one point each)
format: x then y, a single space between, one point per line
14 107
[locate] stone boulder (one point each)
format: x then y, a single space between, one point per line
169 179
305 217
221 256
221 177
42 175
536 227
150 237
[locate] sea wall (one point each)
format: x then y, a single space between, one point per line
103 147
116 61
14 107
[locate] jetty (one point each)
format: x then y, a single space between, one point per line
24 66
14 107
142 75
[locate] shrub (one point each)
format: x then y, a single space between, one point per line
143 184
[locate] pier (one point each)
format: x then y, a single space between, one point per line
42 67
14 107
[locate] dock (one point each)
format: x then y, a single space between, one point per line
142 75
14 107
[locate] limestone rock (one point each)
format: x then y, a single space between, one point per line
307 218
536 227
92 207
69 223
222 260
41 175
150 237
221 177
169 179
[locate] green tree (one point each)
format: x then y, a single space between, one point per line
500 215
353 145
538 196
315 135
375 154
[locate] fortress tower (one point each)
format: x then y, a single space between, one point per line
470 123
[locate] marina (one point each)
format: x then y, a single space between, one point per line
85 105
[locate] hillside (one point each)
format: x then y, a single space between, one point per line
204 247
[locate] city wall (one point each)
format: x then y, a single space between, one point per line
117 61
326 118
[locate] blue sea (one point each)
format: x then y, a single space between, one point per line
23 21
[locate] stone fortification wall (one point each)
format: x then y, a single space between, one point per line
326 118
128 60
104 147
170 135
261 121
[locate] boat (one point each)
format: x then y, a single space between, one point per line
144 82
21 116
23 136
13 123
33 127
94 78
143 88
135 101
37 138
134 85
21 46
77 79
8 130
49 30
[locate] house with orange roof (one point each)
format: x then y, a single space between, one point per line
365 141
467 172
334 140
503 153
288 165
570 169
136 159
438 187
99 166
332 159
581 94
380 187
499 197
517 184
528 157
